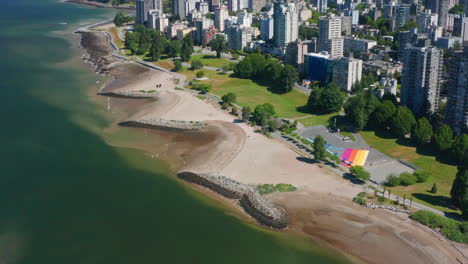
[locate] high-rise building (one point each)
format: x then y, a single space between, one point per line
322 6
457 96
426 20
285 23
440 7
295 52
421 77
142 9
406 38
157 20
347 72
330 39
266 28
183 7
221 14
346 25
244 18
402 15
236 5
318 67
238 37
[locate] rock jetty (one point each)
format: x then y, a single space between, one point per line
249 198
131 94
387 207
159 123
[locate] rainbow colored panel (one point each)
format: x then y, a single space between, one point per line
355 157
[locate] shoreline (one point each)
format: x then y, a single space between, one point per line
96 4
263 160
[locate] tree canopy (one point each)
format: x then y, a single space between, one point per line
187 48
328 99
320 152
422 132
459 191
360 173
402 121
219 44
443 138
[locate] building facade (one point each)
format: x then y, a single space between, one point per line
221 14
285 24
421 77
330 39
457 97
346 72
318 67
295 52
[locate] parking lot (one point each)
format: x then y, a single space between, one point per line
378 164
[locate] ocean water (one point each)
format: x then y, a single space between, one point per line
66 196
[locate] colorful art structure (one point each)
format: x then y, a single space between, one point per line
354 157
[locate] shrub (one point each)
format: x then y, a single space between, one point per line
196 64
408 179
393 180
229 98
359 200
200 74
282 187
266 188
397 202
434 188
204 88
421 175
361 194
381 199
452 229
360 172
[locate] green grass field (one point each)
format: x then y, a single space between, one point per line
252 94
211 60
442 174
316 120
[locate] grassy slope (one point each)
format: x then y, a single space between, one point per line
211 60
251 94
441 173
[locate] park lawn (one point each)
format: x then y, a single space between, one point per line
252 94
442 174
315 120
210 60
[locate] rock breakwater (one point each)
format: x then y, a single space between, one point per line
131 94
159 123
249 198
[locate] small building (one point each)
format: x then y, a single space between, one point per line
318 66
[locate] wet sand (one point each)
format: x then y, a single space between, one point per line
322 208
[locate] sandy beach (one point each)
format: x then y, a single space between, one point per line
322 206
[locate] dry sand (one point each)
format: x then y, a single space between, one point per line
322 207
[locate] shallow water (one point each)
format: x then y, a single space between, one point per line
67 196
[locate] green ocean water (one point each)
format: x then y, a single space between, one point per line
68 197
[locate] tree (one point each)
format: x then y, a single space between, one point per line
173 48
229 98
360 107
383 113
326 100
263 113
422 132
119 19
320 151
273 70
244 69
132 41
144 42
360 173
459 191
177 65
443 138
402 121
219 44
459 147
158 43
203 88
434 188
246 113
200 74
288 78
196 64
187 48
